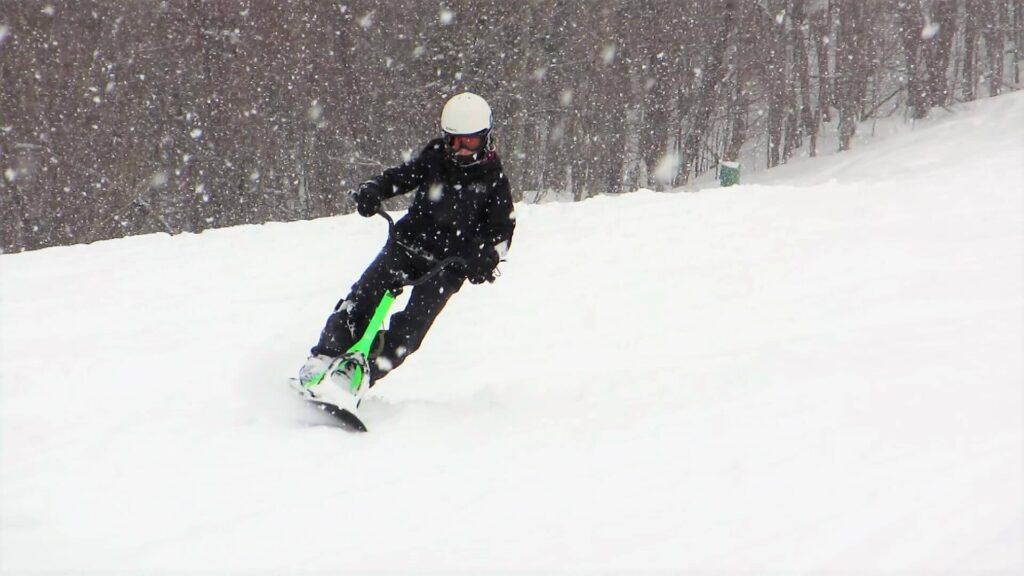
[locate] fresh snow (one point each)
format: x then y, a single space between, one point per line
817 372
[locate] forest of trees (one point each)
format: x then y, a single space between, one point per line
121 118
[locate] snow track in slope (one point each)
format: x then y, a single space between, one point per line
817 372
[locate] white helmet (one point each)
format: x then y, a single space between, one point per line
465 113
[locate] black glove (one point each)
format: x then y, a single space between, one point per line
480 265
368 199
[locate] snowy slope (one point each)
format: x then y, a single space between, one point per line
820 372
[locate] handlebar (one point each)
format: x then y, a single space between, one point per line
437 267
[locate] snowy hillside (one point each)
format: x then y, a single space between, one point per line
820 372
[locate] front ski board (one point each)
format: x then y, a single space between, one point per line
346 418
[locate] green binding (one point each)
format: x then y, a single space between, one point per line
364 344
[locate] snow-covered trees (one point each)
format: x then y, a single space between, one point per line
179 116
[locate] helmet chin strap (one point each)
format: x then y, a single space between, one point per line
477 157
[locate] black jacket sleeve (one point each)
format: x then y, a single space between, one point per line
400 179
499 217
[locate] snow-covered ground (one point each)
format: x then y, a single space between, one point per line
818 372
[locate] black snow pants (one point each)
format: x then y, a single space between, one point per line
391 269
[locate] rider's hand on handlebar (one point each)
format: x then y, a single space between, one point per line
480 266
368 199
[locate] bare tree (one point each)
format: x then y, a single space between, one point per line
184 115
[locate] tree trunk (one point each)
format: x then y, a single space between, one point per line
779 101
801 67
910 25
970 69
937 51
993 34
1016 22
1018 38
739 105
850 69
821 35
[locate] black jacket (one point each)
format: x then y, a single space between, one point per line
456 211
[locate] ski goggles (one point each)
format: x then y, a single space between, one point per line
471 142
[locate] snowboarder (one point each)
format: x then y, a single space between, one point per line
462 207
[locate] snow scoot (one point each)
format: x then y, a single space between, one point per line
350 371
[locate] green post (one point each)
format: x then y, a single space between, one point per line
364 343
729 173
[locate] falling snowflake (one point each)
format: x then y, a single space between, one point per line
930 30
315 112
367 20
667 167
446 17
434 194
196 133
608 53
557 133
4 33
